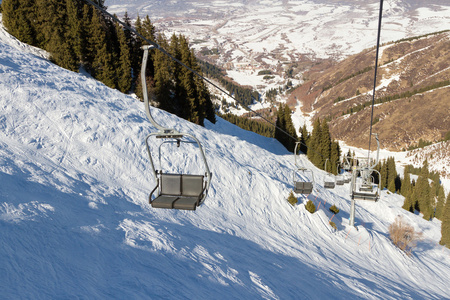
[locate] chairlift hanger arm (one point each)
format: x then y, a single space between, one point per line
167 131
375 75
378 152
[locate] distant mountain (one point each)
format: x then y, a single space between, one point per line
412 94
285 31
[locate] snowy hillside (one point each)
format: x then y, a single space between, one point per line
75 222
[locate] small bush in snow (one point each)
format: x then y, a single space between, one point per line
292 199
310 207
332 224
403 235
334 209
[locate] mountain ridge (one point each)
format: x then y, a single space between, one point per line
412 81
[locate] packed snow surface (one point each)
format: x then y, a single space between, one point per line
75 220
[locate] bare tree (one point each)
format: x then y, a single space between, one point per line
403 235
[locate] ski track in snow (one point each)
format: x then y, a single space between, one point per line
75 220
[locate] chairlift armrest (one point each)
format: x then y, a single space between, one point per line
150 196
202 196
203 190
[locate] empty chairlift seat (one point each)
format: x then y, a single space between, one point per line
302 187
178 191
329 184
365 196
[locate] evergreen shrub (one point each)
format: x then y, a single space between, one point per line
334 209
310 207
292 199
332 224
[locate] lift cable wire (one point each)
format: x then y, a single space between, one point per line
375 77
196 73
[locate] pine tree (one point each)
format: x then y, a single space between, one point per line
162 81
445 227
61 52
58 31
147 30
75 33
47 19
391 175
290 129
440 203
422 190
334 157
304 137
191 102
136 51
415 200
314 143
206 107
102 64
384 175
407 191
285 131
124 71
17 17
128 34
87 50
408 203
324 145
391 185
280 123
406 183
181 105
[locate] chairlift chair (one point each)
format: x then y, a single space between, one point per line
329 181
303 187
174 190
300 186
339 178
367 190
329 184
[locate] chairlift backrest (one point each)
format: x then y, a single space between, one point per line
192 185
170 184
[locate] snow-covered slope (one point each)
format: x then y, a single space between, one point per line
75 222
